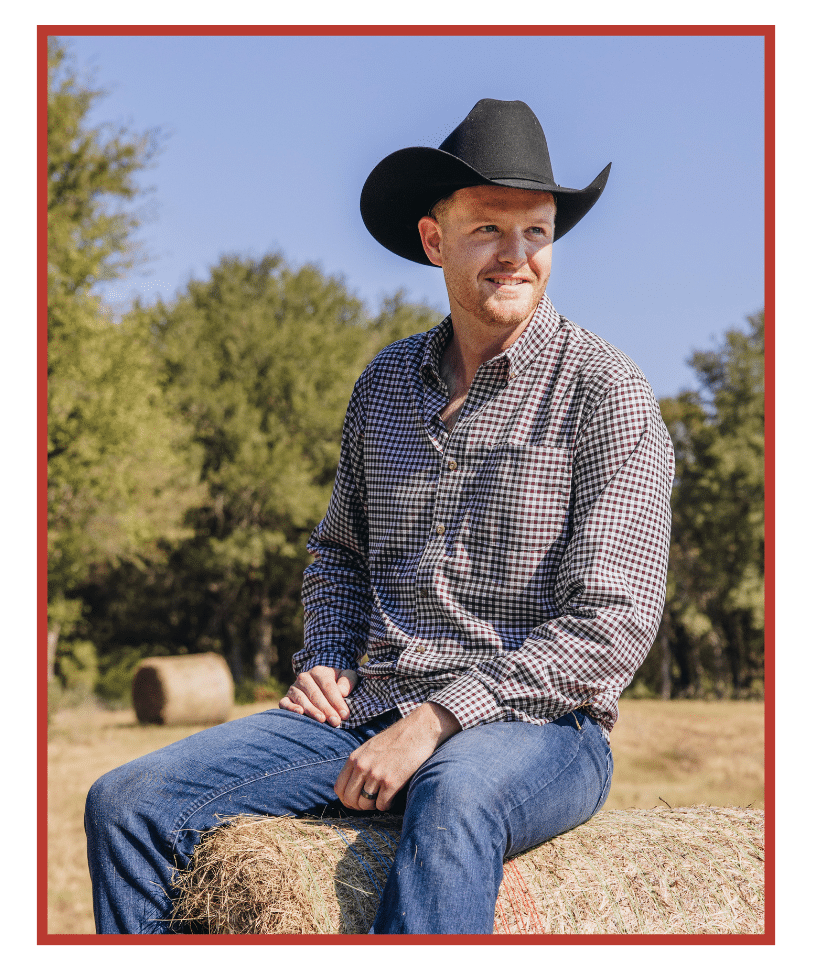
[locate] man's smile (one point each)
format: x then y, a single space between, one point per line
506 284
500 281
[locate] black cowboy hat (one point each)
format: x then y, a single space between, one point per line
500 143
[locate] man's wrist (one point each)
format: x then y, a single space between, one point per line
439 721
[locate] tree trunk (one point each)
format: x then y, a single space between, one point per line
234 646
733 650
696 661
719 669
741 677
266 654
53 639
665 658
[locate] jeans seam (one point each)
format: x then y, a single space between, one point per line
605 790
187 814
582 738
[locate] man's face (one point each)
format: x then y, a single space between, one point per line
494 245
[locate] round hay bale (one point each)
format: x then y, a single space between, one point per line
658 871
194 689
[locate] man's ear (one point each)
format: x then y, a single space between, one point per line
431 235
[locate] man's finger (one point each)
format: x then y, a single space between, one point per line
369 793
316 694
286 703
385 797
307 692
347 682
342 782
307 706
327 687
350 783
318 691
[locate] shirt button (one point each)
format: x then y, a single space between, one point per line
452 464
440 529
423 592
420 649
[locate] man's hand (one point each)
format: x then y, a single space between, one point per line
386 762
320 693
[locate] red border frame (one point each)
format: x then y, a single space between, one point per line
416 30
42 487
770 484
766 31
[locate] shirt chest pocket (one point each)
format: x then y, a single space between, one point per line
520 498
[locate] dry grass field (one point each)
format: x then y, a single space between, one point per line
680 753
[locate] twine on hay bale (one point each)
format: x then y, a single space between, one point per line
173 690
693 870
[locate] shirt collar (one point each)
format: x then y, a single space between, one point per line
530 343
435 343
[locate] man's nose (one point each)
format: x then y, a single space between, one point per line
512 250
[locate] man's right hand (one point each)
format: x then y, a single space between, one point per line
320 693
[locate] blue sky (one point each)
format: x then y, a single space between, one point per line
268 140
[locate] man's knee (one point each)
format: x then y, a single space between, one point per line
100 807
448 798
119 797
103 803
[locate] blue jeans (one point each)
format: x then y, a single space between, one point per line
486 793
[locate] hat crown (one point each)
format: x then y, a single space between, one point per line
502 139
500 143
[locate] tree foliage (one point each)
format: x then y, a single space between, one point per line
711 640
117 476
259 361
91 173
191 445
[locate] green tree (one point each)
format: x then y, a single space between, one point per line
712 634
118 476
91 173
260 360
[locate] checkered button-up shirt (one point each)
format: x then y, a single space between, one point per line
512 568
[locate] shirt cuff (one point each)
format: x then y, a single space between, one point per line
335 658
470 702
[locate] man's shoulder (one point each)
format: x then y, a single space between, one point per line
599 363
401 349
401 358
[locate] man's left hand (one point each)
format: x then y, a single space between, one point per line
385 763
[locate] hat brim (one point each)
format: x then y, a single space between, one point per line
405 185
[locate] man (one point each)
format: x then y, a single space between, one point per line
488 577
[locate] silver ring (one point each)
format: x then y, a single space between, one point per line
365 794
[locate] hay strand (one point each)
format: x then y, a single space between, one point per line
693 871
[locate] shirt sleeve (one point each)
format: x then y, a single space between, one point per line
609 587
336 587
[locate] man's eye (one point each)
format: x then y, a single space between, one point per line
488 228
